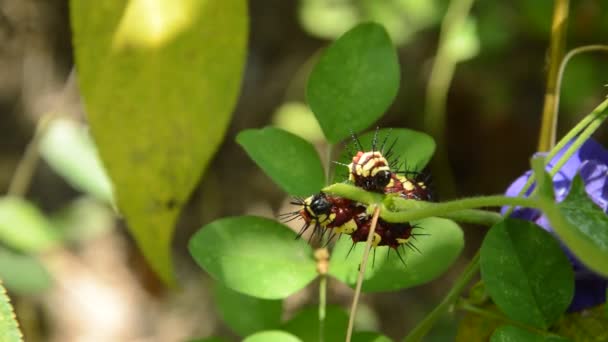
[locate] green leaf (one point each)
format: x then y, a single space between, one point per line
369 336
509 333
463 42
9 328
295 166
577 221
209 339
354 82
526 272
438 251
83 219
297 118
23 274
159 82
272 336
412 149
353 192
305 325
254 255
67 147
589 225
24 227
244 314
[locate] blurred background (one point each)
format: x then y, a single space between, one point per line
97 287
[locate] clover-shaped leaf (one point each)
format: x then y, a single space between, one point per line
354 82
255 256
385 272
526 272
291 161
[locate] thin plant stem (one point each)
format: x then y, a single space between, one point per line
427 323
26 167
362 268
559 25
442 73
322 305
458 205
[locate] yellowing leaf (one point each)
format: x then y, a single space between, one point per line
159 80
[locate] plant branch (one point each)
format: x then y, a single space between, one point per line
457 205
368 245
556 53
442 73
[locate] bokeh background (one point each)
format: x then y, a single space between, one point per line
98 287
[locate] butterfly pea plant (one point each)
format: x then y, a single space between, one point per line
545 254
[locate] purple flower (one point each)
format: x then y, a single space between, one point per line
591 160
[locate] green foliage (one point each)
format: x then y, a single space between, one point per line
9 328
438 251
526 272
22 273
579 222
246 315
83 219
24 228
272 336
354 82
305 325
509 333
368 336
157 102
209 339
402 18
413 149
292 162
68 149
255 256
295 117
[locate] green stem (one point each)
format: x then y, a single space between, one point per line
556 53
463 305
442 73
423 327
474 216
322 305
457 205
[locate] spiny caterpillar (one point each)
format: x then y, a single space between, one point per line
371 171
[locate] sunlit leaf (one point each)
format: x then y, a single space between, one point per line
272 336
438 251
9 328
368 336
254 255
24 227
22 273
526 272
292 162
83 219
244 314
463 43
354 82
68 149
159 81
297 118
305 324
